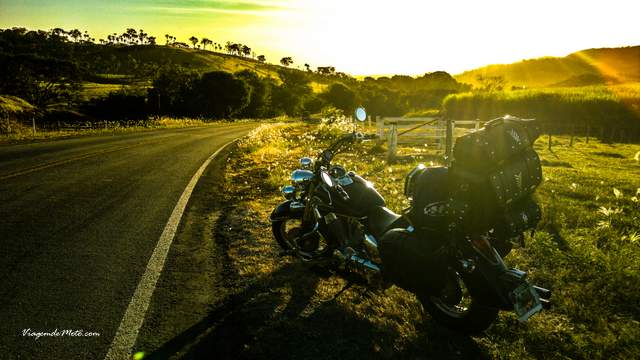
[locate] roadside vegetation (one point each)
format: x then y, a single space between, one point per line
560 109
586 249
72 78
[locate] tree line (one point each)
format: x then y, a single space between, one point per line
48 67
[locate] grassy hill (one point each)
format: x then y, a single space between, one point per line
586 67
118 63
190 58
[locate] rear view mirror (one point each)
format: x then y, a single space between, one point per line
361 114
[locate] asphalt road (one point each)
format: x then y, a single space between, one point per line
79 219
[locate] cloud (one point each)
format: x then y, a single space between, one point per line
248 7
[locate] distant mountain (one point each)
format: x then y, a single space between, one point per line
582 68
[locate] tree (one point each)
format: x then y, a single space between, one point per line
194 41
308 67
205 42
40 80
261 58
59 34
172 87
142 36
132 35
326 70
75 34
290 95
246 51
258 97
341 97
151 40
286 61
219 94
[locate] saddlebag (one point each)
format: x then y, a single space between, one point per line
494 144
415 263
415 260
428 188
498 193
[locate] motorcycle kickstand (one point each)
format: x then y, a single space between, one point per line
344 288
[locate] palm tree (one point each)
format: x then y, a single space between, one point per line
261 58
194 41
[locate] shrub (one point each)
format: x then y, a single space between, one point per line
117 106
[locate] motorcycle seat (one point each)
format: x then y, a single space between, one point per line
380 220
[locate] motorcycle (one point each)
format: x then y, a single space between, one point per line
336 217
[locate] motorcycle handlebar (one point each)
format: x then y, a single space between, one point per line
327 155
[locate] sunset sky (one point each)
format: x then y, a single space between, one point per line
357 37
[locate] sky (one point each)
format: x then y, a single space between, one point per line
359 37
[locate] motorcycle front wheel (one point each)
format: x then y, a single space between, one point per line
455 308
288 234
285 231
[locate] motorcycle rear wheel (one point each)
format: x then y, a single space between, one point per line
456 309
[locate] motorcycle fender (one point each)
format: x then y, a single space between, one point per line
285 211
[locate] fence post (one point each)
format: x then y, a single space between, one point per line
369 119
33 122
448 140
393 142
549 140
588 132
380 128
573 132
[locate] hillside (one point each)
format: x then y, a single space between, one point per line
190 58
586 67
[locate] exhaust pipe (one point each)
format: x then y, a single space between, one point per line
544 295
364 264
349 257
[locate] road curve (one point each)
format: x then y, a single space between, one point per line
79 220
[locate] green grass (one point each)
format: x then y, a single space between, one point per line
586 249
609 106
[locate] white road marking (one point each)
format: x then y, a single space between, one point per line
127 333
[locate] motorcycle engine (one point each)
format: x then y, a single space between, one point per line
343 232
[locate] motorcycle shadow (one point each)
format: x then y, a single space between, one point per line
288 314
